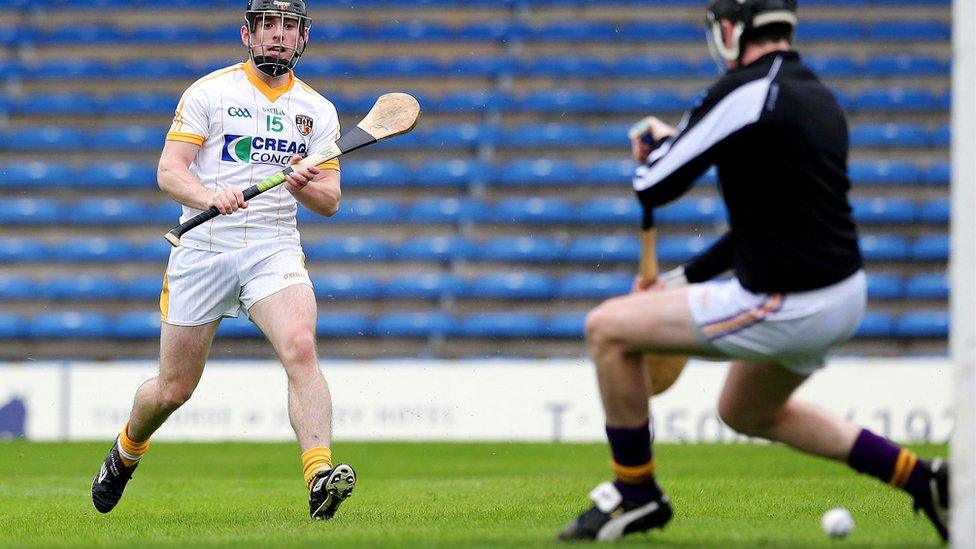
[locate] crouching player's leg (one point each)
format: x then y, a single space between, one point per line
616 333
780 343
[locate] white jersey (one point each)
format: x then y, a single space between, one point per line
248 131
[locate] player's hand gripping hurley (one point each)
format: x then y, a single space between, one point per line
660 371
392 114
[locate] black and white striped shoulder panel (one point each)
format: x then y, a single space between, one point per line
738 109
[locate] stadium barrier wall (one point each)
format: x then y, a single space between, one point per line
908 400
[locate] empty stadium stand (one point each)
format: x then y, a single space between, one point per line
494 226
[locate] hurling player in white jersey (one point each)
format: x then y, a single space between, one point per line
233 128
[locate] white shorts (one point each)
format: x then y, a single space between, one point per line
794 330
201 286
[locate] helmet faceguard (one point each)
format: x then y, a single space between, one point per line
745 17
260 12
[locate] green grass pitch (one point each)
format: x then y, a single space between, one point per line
432 494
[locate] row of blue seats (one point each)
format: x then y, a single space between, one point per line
536 210
447 173
502 325
637 101
429 286
486 66
506 249
566 31
343 5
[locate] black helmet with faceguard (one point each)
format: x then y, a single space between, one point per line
746 16
260 12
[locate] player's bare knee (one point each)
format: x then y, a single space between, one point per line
298 353
172 396
598 332
738 416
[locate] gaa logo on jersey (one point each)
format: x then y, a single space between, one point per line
245 149
304 124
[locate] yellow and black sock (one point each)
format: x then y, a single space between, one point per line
315 460
129 450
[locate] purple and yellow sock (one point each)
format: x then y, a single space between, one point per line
633 462
885 460
129 450
315 460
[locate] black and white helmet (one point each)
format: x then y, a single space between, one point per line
259 11
745 16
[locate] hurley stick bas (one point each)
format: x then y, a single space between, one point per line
660 370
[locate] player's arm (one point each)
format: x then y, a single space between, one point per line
175 179
315 188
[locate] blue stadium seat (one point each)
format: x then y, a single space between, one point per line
522 249
678 248
166 212
459 136
923 324
70 325
142 288
446 210
368 211
24 250
412 30
375 174
561 101
549 135
876 325
540 172
612 173
652 67
645 100
55 104
17 288
883 172
347 286
352 248
239 327
93 250
890 136
884 247
67 69
512 286
534 210
116 175
593 285
833 67
481 66
906 65
896 100
31 211
883 210
936 210
331 68
931 248
650 32
107 211
451 173
927 286
833 31
45 139
607 136
12 325
344 324
402 66
566 325
490 30
437 249
692 211
128 138
611 211
139 104
165 33
425 286
942 136
885 286
604 249
565 66
938 174
573 31
154 250
137 325
158 69
85 287
909 31
414 325
471 101
330 31
507 325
